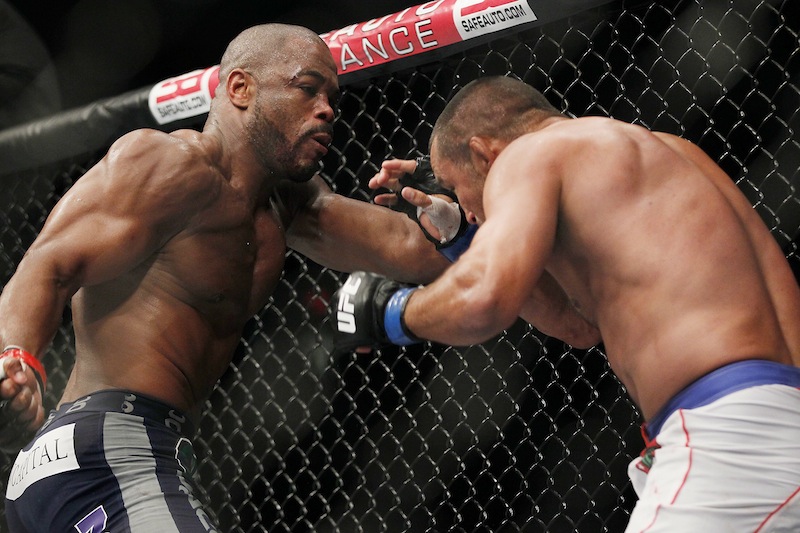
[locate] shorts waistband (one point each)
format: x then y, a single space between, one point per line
721 382
133 403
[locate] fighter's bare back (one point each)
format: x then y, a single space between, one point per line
607 209
629 240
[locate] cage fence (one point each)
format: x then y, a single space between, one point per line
521 433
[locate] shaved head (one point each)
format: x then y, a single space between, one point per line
260 48
495 106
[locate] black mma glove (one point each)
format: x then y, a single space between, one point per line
368 311
448 217
424 180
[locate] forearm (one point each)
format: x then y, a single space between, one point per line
347 235
461 308
31 307
30 312
371 310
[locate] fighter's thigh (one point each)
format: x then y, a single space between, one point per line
153 468
61 478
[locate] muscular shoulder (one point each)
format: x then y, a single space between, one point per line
179 166
591 137
611 148
147 149
549 151
565 140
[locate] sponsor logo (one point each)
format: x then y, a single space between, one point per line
94 522
406 33
52 453
184 454
422 28
175 421
345 315
184 96
487 16
648 457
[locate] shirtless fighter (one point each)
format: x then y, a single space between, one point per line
638 240
166 248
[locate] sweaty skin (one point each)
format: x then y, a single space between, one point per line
548 303
639 233
173 241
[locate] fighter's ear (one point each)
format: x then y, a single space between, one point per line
482 151
239 87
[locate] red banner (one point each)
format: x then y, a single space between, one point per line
413 31
421 29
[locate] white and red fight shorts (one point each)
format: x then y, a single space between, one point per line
723 455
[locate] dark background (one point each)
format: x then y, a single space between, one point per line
521 434
100 48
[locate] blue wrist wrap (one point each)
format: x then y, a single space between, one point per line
454 250
393 318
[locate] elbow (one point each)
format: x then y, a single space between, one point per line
413 259
62 274
583 336
585 341
487 314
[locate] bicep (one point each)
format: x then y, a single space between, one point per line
87 239
113 218
521 201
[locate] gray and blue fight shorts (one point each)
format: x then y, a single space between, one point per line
113 461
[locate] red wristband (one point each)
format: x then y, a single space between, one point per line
30 360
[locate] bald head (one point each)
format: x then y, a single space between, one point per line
495 106
259 48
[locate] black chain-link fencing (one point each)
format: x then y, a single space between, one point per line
521 433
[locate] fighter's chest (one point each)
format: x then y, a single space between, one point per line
233 264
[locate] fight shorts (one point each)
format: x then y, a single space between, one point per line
113 461
723 455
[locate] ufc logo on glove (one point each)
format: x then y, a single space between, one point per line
345 317
368 311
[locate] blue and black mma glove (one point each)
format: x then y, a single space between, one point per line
368 312
448 217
